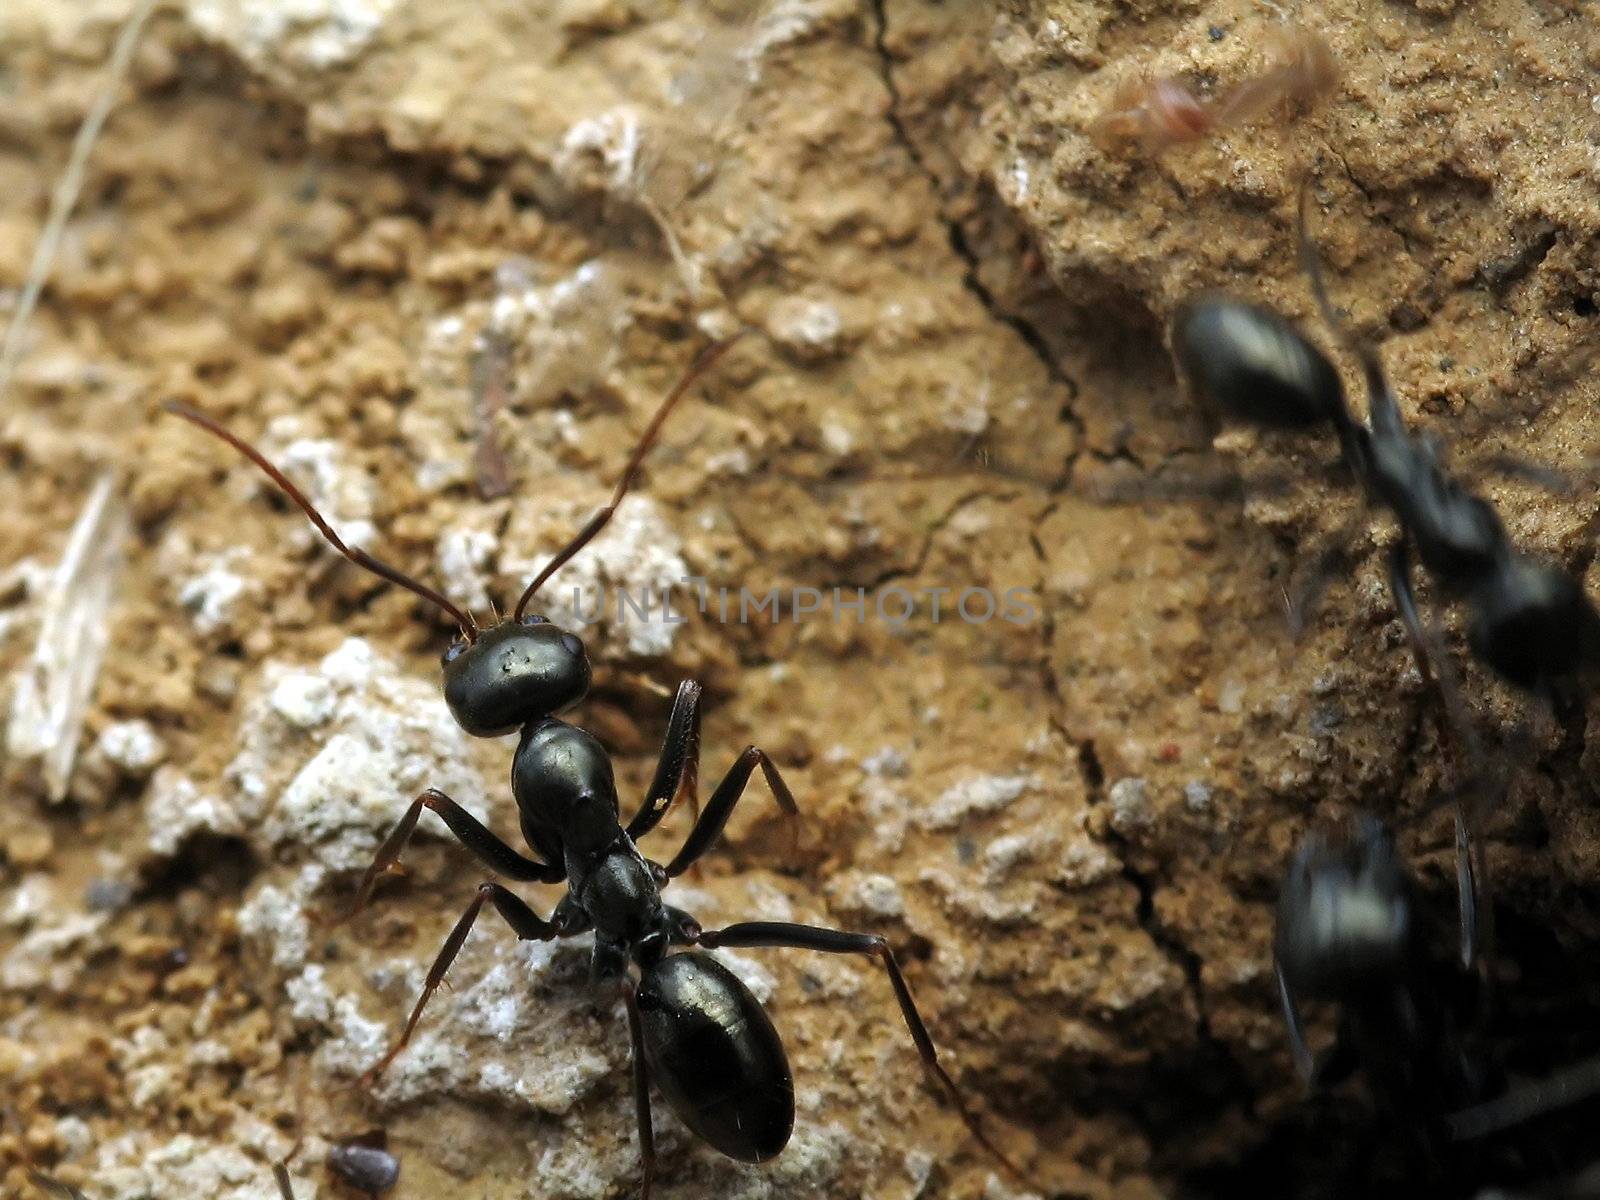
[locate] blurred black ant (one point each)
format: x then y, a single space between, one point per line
1531 623
695 1028
362 1163
1349 931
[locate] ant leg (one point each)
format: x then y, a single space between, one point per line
55 1187
785 934
641 1088
1525 470
1336 1066
280 1170
528 926
1559 1090
1467 887
1303 1065
678 774
485 846
1432 666
1324 569
678 769
1456 730
1383 412
709 827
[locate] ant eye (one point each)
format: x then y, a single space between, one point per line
453 651
534 619
572 643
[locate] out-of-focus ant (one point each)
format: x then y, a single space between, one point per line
1161 112
1529 622
1352 930
361 1163
1349 931
696 1030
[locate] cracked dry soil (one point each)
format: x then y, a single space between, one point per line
309 219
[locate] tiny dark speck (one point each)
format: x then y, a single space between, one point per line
1447 363
966 852
107 895
1216 33
1407 317
1325 718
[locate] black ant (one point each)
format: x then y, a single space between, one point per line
695 1028
1530 622
363 1164
1350 931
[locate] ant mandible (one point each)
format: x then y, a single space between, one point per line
1529 622
695 1028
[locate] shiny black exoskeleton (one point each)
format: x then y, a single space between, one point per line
1255 365
1349 932
1530 622
361 1164
695 1028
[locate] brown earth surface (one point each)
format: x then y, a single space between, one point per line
309 219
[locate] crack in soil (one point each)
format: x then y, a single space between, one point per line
1171 945
971 279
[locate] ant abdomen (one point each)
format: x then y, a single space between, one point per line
1251 364
716 1057
1532 623
512 674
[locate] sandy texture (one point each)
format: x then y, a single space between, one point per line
311 218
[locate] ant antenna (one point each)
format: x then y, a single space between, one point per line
1311 264
1383 408
596 523
361 558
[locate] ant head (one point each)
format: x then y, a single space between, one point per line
1532 623
513 673
1345 917
1250 363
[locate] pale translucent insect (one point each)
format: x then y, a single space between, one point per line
1153 114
